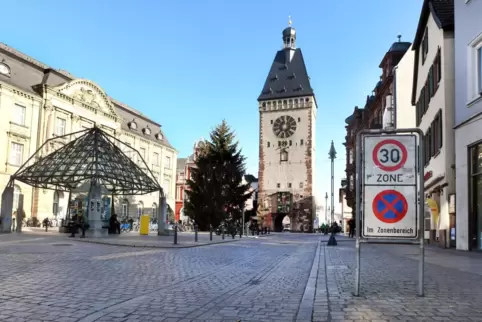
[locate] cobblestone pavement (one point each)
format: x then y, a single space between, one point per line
389 276
50 278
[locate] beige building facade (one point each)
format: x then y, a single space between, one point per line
38 103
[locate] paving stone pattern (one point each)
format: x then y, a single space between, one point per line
250 280
389 276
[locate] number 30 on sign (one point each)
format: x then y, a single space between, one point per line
390 160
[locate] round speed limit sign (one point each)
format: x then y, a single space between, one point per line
390 155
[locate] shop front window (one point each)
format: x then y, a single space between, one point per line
476 197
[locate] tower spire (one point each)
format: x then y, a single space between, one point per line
289 21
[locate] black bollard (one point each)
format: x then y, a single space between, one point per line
269 230
195 233
240 233
175 234
210 233
222 232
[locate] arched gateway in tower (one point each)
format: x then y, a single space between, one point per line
287 109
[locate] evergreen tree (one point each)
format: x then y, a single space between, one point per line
216 193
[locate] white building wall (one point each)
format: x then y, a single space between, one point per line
26 134
441 164
405 111
468 33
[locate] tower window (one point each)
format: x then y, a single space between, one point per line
268 144
301 184
291 143
271 121
279 143
283 156
302 142
289 185
278 185
299 119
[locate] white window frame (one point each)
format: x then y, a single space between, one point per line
167 187
167 162
474 81
125 209
60 130
155 158
142 152
19 114
16 159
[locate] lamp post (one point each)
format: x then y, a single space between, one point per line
332 154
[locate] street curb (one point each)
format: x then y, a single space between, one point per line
151 246
305 311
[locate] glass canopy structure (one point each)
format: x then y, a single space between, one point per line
93 155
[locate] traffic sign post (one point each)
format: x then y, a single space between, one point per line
389 192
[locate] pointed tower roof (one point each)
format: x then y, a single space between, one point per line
288 76
93 156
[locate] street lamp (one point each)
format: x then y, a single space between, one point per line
332 154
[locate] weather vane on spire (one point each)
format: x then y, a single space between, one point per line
289 21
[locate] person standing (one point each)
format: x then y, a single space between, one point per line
351 226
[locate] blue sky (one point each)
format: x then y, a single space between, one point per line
188 64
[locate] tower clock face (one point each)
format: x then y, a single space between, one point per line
284 126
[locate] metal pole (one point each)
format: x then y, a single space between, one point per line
195 232
358 187
332 190
421 215
175 234
210 232
222 231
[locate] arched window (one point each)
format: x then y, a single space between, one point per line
125 208
140 208
55 205
154 210
16 196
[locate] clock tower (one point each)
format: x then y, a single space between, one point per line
287 110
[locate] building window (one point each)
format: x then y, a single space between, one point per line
18 116
155 158
167 187
268 144
140 208
125 208
289 185
425 46
167 164
16 154
291 143
142 152
278 185
301 185
475 190
299 119
283 156
302 142
60 126
479 69
271 121
16 197
474 69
